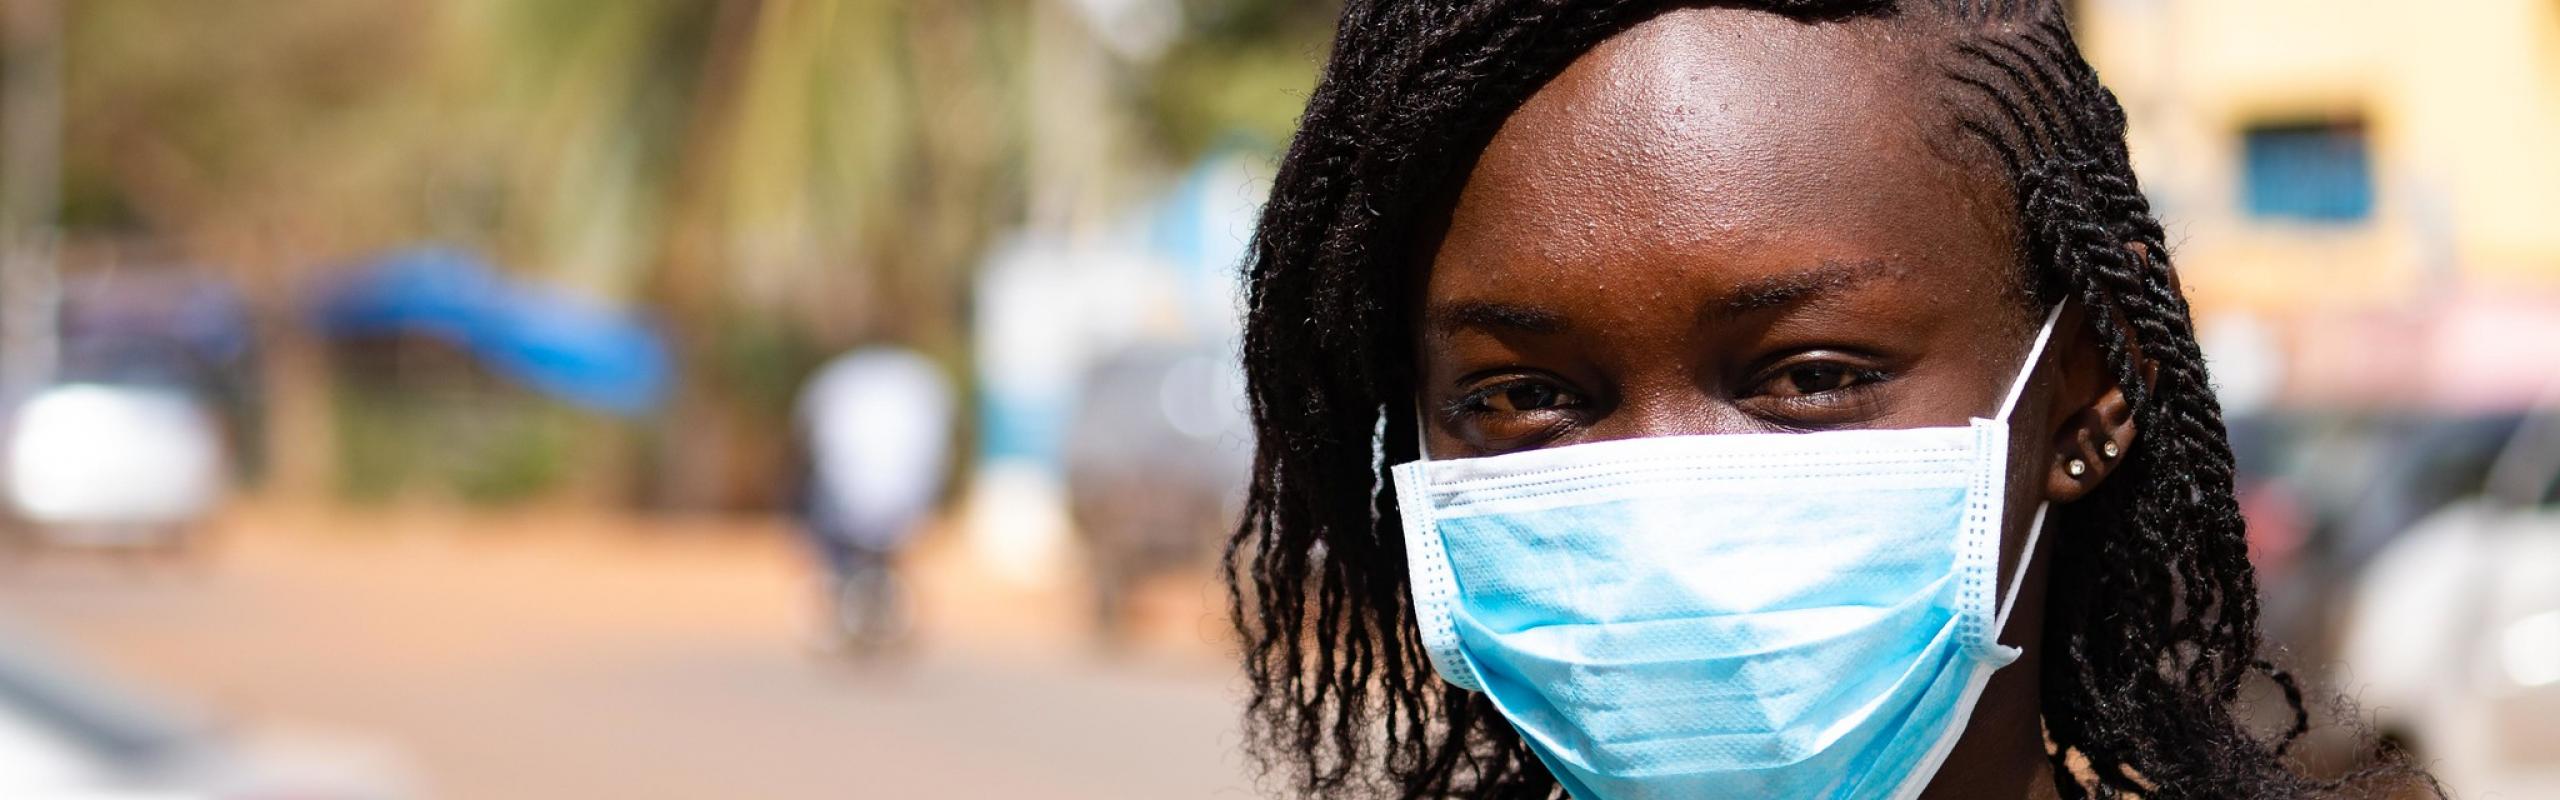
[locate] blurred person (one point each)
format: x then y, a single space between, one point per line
1665 401
873 428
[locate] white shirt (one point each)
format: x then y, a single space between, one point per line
878 422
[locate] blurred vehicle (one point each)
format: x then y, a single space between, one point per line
2452 640
65 734
1157 455
2324 492
105 465
874 432
128 448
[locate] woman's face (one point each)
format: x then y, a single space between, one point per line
1721 221
1726 221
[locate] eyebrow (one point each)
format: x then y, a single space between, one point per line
1489 315
1790 288
1758 294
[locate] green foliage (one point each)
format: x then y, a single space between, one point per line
1241 71
762 361
414 419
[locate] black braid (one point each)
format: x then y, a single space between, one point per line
2152 617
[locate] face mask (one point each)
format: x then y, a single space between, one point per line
1749 615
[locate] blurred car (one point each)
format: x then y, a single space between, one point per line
130 447
2324 492
2452 639
95 464
1157 459
66 734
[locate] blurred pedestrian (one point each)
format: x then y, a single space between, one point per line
1669 402
874 429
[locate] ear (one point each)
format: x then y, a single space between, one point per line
2093 430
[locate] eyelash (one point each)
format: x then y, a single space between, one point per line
1472 404
1783 410
1861 379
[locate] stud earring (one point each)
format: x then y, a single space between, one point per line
2077 468
2110 450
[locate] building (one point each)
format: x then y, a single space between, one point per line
2364 196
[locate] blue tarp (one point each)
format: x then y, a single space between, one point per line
560 343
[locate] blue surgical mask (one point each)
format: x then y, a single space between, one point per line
1737 616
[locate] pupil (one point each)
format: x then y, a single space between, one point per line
1816 379
1531 398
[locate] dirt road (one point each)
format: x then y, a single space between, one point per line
570 656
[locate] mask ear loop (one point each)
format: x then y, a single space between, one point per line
2035 529
2035 353
2000 622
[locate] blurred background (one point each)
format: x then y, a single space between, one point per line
826 398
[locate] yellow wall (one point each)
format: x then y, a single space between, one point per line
2461 100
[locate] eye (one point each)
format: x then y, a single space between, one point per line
1516 412
1523 397
1816 392
1815 378
1819 379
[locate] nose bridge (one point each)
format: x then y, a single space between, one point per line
1671 401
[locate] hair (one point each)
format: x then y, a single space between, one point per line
2151 620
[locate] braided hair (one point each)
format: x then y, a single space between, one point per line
2152 607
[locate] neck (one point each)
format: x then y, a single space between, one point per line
2001 753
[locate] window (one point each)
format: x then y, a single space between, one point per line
2318 172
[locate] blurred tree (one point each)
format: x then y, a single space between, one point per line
844 161
777 178
1241 68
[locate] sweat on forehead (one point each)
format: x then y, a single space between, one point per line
1719 133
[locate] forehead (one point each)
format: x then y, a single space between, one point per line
1732 138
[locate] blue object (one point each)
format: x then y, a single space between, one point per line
562 344
168 327
1759 615
2313 173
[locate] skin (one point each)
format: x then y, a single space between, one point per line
1725 221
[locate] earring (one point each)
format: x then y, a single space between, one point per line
2077 468
2110 450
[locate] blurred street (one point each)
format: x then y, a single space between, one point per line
443 399
556 655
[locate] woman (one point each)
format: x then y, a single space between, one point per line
1748 399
